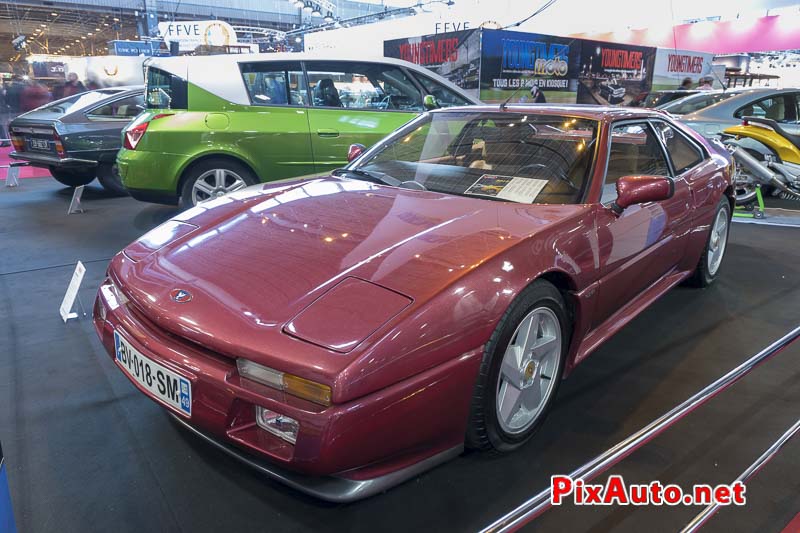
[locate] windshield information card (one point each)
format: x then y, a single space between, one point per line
522 190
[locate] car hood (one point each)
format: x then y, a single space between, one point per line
258 262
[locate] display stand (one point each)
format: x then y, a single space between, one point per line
7 524
12 176
72 294
752 211
75 204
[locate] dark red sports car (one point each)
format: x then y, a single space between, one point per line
344 333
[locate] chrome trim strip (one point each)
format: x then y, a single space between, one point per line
50 160
706 514
332 488
530 509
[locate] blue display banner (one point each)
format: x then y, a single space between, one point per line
136 48
7 524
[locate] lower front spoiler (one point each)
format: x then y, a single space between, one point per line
332 488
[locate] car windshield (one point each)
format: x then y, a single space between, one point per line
517 157
695 102
71 104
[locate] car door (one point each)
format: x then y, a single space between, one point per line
646 241
272 132
354 102
97 136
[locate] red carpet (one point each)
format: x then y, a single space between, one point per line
24 172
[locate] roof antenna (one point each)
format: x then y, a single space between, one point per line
504 104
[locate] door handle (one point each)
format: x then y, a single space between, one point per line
327 132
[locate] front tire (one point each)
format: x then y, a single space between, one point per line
73 178
521 370
708 267
213 178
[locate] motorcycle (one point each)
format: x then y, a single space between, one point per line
766 155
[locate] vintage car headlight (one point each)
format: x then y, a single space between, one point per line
294 385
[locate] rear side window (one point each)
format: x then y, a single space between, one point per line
683 153
124 109
164 90
444 96
780 108
362 86
275 83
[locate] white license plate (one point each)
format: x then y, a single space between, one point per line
170 388
39 144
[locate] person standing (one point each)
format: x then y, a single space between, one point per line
72 86
706 84
685 85
537 96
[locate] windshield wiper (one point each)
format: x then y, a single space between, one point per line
375 177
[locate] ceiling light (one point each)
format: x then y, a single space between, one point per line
43 25
97 29
299 3
298 40
89 33
316 12
83 37
307 8
116 19
328 18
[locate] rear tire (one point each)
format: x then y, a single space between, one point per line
110 180
710 262
535 362
73 178
213 178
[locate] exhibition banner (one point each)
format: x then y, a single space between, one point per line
673 66
512 63
454 55
616 74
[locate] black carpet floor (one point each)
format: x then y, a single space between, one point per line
87 452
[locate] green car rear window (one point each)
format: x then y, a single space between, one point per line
164 90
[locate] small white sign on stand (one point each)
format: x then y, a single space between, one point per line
12 176
75 204
72 293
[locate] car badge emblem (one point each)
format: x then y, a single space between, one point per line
180 295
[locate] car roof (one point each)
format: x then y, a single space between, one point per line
587 111
726 108
215 73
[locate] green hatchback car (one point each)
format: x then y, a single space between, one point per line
215 124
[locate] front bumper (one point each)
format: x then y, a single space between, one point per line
332 488
343 452
47 161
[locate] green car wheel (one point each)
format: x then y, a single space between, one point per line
213 178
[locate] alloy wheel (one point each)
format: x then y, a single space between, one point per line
215 183
528 371
717 241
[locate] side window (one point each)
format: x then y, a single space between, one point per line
124 109
164 90
444 96
635 150
780 108
275 83
683 153
362 86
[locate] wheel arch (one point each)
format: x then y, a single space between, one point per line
205 156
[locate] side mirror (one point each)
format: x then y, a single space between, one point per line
355 151
429 102
641 189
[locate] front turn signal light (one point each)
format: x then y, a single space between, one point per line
294 385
